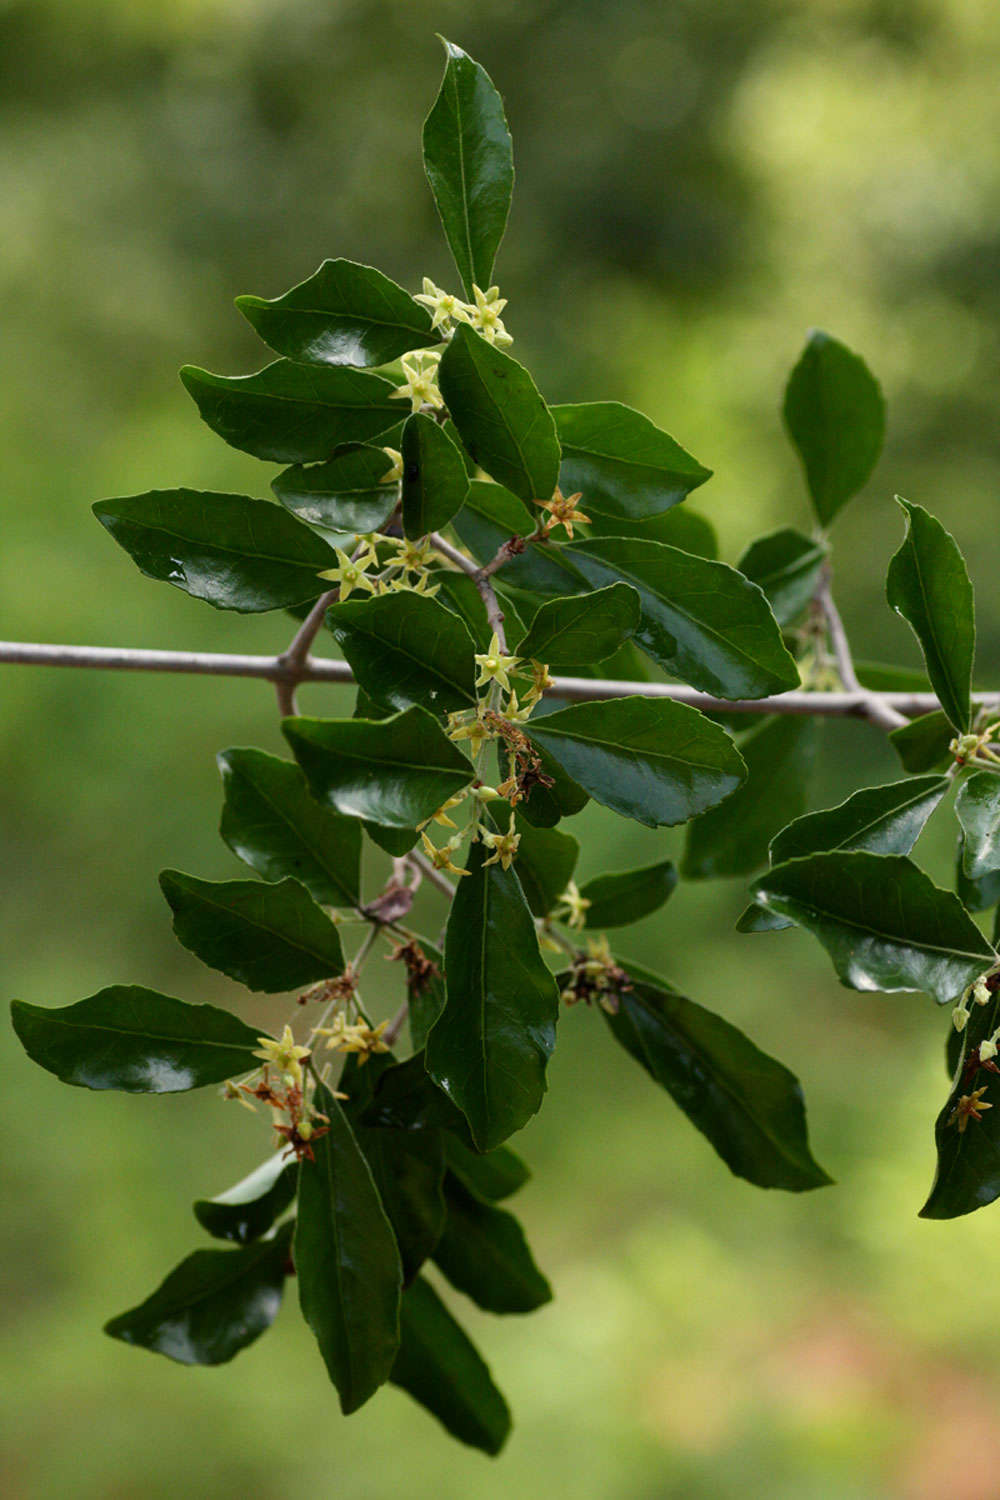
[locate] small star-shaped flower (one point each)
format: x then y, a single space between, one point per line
420 385
284 1054
441 858
445 307
969 1107
349 575
576 906
494 665
484 315
504 845
563 512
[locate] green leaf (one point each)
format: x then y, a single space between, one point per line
252 1207
627 896
406 1097
928 585
490 516
270 822
435 483
787 566
469 161
394 841
407 1166
621 462
484 1254
546 860
745 1103
440 1367
882 819
268 937
680 527
579 631
835 414
882 921
231 551
883 678
294 414
136 1040
493 1176
968 1161
344 494
700 620
213 1305
648 759
733 839
975 894
502 420
406 649
348 1267
343 314
922 745
394 772
490 1045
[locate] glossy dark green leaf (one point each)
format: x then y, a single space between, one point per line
503 421
979 893
968 1161
490 516
343 314
395 772
469 161
627 895
406 1097
406 649
252 1207
883 819
746 1104
621 462
440 1367
574 633
885 925
546 860
213 1305
977 808
650 759
929 586
787 566
700 620
835 414
268 937
922 745
346 493
129 1038
347 1263
492 1176
231 551
435 483
490 1045
484 1254
681 527
407 1166
733 839
270 822
394 841
294 414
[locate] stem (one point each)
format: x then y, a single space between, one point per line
876 712
481 578
423 864
396 1025
855 704
297 655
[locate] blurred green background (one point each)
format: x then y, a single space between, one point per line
698 184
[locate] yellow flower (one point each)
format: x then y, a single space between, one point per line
445 307
476 732
395 474
349 575
504 845
494 665
420 386
576 906
357 1038
563 512
284 1054
413 555
441 858
484 315
968 1108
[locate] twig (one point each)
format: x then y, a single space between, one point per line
876 712
297 656
435 877
481 578
574 689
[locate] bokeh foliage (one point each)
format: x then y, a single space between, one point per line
696 187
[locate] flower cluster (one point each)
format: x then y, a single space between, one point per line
595 975
482 314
